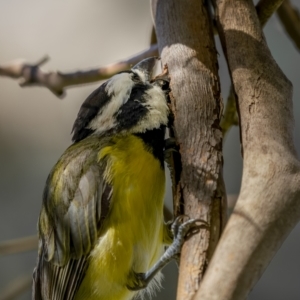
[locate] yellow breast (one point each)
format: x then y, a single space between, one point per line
131 237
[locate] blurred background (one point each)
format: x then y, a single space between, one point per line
35 125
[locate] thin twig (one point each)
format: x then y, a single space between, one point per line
24 244
56 82
265 9
153 38
290 19
16 288
230 114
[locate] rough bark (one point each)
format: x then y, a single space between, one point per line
186 44
268 205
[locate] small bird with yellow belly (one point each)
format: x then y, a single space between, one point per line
101 227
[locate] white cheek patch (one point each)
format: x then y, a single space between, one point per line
119 83
118 89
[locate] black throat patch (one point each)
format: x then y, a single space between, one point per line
154 141
134 109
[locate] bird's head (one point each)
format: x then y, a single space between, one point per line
129 102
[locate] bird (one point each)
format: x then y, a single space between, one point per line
101 228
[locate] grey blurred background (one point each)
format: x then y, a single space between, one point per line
35 126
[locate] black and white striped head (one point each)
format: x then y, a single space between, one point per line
126 103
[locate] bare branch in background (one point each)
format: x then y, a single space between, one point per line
19 245
230 117
290 19
153 38
265 9
56 82
16 288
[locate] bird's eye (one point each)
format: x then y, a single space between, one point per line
164 84
136 77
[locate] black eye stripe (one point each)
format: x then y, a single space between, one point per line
138 92
136 77
134 109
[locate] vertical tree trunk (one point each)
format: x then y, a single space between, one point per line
186 44
268 205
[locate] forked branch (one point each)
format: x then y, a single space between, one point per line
268 205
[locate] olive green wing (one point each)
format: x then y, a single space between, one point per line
76 200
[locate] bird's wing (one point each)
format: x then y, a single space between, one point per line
115 90
76 200
89 109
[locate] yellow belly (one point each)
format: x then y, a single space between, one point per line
131 237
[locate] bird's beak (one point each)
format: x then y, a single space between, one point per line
162 76
146 66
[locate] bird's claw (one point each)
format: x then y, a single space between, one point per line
138 282
182 229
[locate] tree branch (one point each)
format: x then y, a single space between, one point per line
290 18
268 205
56 82
195 97
19 245
266 8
